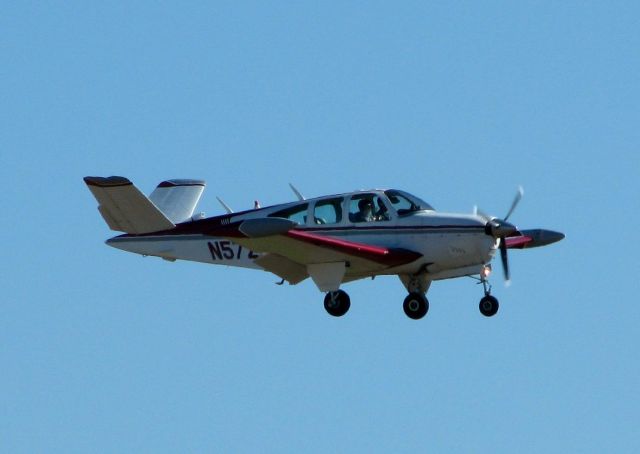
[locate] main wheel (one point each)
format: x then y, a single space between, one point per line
489 306
337 303
415 305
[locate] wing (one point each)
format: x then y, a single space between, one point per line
334 248
326 259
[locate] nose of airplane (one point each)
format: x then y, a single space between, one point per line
542 237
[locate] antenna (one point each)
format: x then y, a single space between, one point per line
224 205
296 192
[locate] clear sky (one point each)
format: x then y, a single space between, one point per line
457 102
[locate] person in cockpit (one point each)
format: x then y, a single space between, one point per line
382 214
365 213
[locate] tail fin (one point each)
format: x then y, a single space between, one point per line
177 198
125 208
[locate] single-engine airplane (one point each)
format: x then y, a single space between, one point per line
333 239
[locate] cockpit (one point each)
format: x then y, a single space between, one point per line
376 206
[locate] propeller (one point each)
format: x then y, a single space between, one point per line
505 260
500 228
516 201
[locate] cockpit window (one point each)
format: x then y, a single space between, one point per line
297 213
405 203
328 211
367 208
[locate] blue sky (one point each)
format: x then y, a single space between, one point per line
457 102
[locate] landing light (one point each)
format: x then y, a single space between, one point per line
486 271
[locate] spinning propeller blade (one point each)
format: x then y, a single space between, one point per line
515 202
483 215
501 229
505 259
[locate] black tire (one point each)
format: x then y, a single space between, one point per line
337 303
416 305
489 306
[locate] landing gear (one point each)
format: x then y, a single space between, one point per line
415 305
488 304
337 303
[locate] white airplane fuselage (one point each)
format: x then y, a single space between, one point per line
452 245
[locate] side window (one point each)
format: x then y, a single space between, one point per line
382 211
296 213
401 204
328 212
367 208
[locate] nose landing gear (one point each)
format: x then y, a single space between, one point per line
488 304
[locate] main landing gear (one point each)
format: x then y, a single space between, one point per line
337 303
416 305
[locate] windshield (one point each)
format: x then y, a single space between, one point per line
405 203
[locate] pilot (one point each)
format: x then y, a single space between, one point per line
365 213
382 214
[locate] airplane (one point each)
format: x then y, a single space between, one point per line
332 239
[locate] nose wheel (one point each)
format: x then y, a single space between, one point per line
488 304
416 305
337 303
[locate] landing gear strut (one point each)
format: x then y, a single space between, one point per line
488 304
415 305
337 303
